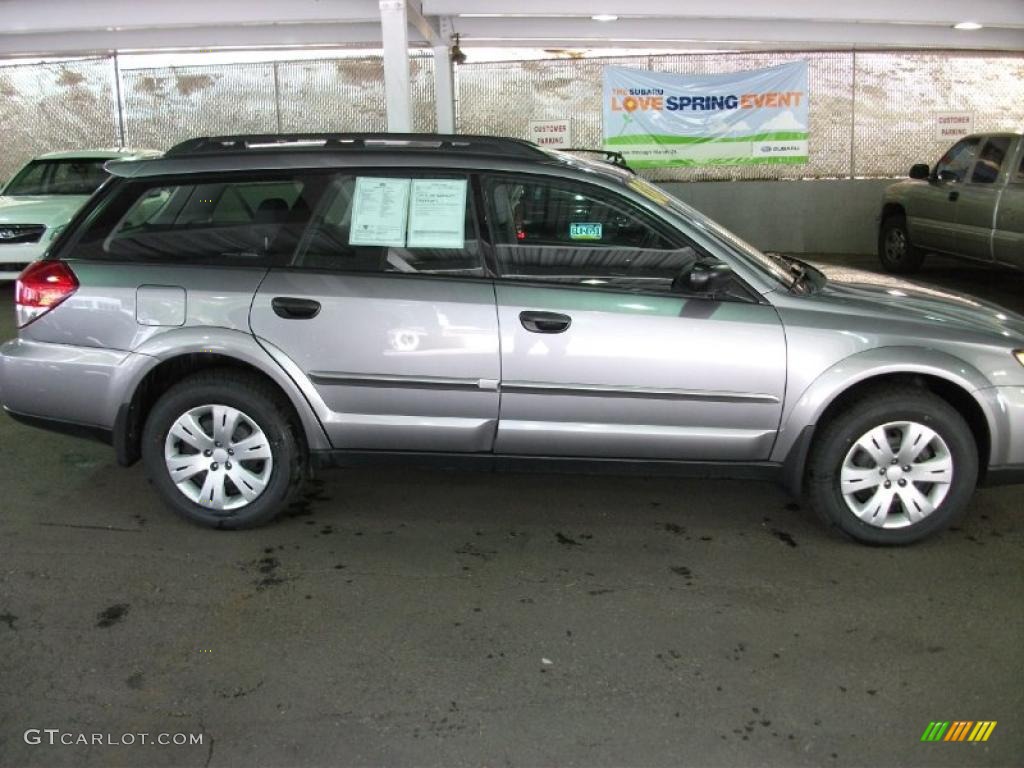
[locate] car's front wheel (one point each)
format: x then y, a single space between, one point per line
895 250
221 451
895 466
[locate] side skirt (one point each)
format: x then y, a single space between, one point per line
487 462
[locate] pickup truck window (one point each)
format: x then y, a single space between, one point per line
990 161
954 164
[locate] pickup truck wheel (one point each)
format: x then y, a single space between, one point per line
220 450
896 466
895 250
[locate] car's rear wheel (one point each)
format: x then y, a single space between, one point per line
894 467
221 450
895 250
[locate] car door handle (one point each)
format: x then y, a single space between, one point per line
291 308
545 322
954 195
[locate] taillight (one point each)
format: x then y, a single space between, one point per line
41 287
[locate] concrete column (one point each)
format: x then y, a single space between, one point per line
394 24
444 90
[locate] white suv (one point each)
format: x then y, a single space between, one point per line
42 197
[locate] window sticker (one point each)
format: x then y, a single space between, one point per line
379 211
582 230
437 213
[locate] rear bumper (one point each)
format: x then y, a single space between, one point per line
63 427
61 383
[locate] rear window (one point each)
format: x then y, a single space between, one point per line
990 161
236 222
71 176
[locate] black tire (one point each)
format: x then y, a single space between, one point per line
259 401
877 407
895 251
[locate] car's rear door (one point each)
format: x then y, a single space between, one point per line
979 198
1008 237
602 355
388 312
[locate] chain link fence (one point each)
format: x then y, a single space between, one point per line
872 113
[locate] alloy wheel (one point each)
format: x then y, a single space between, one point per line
895 244
896 474
218 457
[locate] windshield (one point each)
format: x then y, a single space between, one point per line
73 176
764 263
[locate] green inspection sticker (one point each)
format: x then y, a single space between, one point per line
579 230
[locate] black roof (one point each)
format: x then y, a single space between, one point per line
492 146
280 151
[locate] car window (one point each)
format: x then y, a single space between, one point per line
225 222
566 232
953 165
990 161
399 224
59 177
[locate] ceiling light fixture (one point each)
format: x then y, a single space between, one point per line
605 17
969 26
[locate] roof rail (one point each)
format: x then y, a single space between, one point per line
476 145
607 156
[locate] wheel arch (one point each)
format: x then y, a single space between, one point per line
171 362
960 385
891 208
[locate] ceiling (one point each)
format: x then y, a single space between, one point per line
64 27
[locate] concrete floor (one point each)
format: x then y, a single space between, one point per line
410 618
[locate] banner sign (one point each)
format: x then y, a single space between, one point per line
658 120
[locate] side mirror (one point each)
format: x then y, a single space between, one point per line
709 279
920 171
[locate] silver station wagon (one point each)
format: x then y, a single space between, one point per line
247 308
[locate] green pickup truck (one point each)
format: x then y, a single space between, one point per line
970 205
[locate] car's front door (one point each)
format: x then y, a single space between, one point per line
604 352
979 198
932 207
386 311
